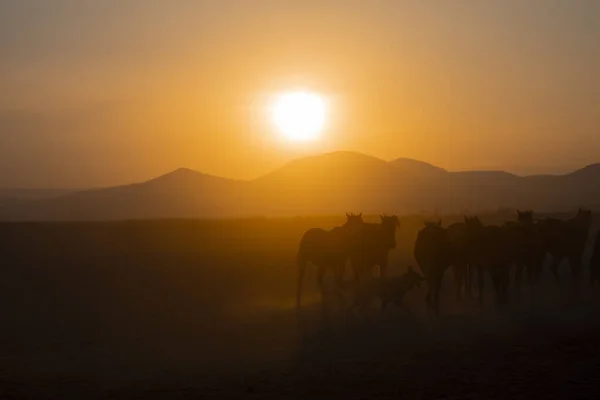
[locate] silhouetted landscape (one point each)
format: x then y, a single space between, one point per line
327 184
299 199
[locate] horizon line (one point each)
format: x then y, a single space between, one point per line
79 188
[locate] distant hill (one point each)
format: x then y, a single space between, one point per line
412 167
331 183
181 193
320 184
15 195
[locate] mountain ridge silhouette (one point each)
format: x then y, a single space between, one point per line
329 183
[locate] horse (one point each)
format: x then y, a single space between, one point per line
464 237
498 258
434 254
326 250
388 289
566 240
595 262
371 244
526 248
459 238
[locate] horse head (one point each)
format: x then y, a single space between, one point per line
525 217
353 220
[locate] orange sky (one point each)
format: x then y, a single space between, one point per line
103 93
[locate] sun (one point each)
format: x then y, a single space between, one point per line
299 116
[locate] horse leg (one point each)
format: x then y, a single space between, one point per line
480 281
320 277
356 270
430 290
594 274
575 261
554 268
495 282
505 284
469 280
539 267
356 302
576 266
593 268
458 270
531 268
383 267
301 271
405 308
518 278
438 286
339 280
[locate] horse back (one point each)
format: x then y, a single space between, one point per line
321 246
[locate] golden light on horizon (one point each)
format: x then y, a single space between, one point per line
299 116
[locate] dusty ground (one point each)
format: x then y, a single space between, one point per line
125 311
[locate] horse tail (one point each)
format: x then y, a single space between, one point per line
301 262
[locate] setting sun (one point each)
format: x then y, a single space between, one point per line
299 116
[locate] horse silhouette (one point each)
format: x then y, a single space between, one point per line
595 262
327 250
566 240
434 254
498 258
464 237
459 238
526 248
371 244
387 289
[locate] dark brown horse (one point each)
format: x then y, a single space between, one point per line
434 254
371 244
566 240
498 259
595 262
326 250
526 248
465 238
459 238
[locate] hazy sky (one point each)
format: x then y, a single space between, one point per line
96 93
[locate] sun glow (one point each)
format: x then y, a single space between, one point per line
299 116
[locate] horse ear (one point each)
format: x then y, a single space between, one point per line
360 215
347 215
381 216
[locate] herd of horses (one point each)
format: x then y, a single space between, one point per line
515 251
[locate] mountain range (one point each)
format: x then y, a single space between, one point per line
331 183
